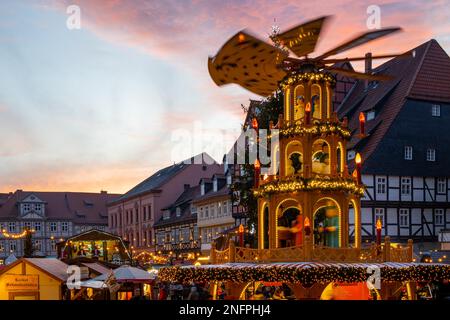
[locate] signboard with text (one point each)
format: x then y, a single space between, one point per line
21 282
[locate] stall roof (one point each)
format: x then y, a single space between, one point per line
53 267
97 267
128 274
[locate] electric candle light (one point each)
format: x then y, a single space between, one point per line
358 167
362 121
308 113
241 235
257 172
379 225
255 124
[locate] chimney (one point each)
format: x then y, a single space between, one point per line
368 67
103 192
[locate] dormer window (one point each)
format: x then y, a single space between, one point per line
178 211
370 115
166 215
436 110
351 154
26 207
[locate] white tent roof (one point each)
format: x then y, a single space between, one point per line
128 274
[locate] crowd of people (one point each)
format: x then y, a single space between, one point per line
178 291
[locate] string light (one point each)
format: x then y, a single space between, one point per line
21 235
323 128
305 184
309 76
306 276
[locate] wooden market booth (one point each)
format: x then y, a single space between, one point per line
33 279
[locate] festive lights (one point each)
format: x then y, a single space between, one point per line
307 276
322 128
311 184
21 235
308 76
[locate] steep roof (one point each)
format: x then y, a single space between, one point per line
80 207
224 191
182 202
424 75
158 179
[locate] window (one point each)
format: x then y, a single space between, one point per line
439 218
64 226
193 209
206 212
12 227
351 154
38 245
53 227
178 211
53 245
166 215
436 110
26 207
431 155
225 208
406 186
37 207
441 185
370 115
37 226
408 153
381 185
12 246
28 225
404 218
379 215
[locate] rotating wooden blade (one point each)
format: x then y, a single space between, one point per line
302 39
385 56
359 75
357 41
248 62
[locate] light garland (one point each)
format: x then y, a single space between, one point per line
311 184
309 76
21 235
317 129
306 276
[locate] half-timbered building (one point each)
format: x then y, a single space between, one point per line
405 144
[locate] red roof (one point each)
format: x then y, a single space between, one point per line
424 75
80 207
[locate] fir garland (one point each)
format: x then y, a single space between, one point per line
309 184
318 128
305 276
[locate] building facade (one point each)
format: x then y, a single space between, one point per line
176 232
404 145
214 210
53 216
133 215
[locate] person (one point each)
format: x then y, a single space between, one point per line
258 294
297 228
162 293
278 294
221 292
193 295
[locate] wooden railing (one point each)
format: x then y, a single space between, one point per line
374 253
288 254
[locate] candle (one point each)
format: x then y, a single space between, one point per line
257 172
307 226
362 121
358 167
379 232
308 113
241 235
255 124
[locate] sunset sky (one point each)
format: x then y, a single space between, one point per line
99 108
